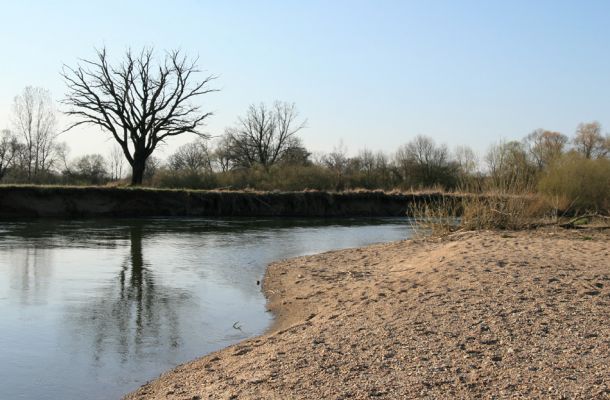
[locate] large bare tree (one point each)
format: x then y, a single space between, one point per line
140 101
265 135
35 122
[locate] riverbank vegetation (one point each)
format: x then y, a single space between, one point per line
567 173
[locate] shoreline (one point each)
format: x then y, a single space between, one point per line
91 202
473 315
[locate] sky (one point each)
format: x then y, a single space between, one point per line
373 74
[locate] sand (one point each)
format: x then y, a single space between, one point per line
475 315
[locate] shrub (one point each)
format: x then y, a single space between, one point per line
443 215
184 179
578 184
500 211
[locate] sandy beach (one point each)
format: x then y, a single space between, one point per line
473 315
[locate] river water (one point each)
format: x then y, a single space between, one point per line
92 309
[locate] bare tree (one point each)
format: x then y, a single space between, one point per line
382 165
222 154
9 149
90 168
193 157
424 151
589 140
423 163
264 135
510 170
139 101
35 122
337 160
466 160
153 164
115 161
366 161
545 146
62 152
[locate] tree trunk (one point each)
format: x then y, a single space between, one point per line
137 171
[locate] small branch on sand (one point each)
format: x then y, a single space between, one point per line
571 223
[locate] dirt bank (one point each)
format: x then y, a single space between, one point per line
485 315
71 202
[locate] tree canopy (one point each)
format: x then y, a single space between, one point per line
140 101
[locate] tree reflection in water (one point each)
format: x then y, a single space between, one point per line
134 317
31 270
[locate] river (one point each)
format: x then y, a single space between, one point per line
94 308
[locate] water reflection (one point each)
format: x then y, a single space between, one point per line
31 271
92 309
132 314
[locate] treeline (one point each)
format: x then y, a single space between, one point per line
263 151
572 172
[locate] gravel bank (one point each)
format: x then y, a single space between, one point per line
476 315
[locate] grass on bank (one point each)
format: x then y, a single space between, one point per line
493 211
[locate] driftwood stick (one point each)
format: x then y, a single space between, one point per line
570 223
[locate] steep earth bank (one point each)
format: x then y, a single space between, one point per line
70 202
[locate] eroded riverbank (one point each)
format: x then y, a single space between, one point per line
76 202
476 315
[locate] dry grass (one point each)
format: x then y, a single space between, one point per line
490 211
435 216
501 211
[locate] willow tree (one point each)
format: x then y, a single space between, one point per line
140 101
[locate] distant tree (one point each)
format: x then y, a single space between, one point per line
264 135
364 170
35 122
545 146
115 161
222 159
423 163
140 102
91 169
9 151
589 140
467 163
337 160
296 154
509 167
192 157
62 151
466 159
383 168
367 161
153 164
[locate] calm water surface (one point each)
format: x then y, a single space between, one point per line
92 309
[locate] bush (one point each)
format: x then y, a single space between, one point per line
184 180
577 184
500 211
278 177
440 216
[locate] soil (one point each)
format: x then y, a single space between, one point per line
89 202
472 315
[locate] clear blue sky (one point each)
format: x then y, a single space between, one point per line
373 73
